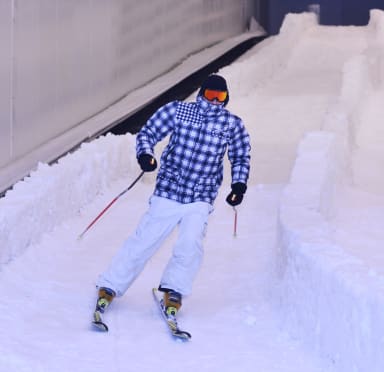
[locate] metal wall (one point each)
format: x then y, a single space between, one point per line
5 82
332 12
63 61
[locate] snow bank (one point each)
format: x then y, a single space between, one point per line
272 55
362 97
52 194
329 299
376 25
368 152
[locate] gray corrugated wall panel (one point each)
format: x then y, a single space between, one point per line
74 58
34 74
5 81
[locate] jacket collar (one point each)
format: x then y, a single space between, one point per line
206 107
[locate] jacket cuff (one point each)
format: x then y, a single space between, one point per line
239 188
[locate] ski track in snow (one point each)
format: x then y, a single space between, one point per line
231 322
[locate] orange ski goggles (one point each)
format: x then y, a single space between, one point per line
211 95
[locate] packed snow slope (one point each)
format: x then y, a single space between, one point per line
295 290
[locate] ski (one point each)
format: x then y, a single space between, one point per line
98 322
172 326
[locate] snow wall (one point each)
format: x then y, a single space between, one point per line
63 62
329 299
53 194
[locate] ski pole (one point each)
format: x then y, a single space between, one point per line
235 223
110 204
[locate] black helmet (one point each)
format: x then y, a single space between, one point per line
215 82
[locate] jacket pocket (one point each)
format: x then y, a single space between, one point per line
206 188
168 180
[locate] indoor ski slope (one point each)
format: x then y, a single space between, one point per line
254 305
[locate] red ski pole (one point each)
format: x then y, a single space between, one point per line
110 204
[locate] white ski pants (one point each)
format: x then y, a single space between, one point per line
157 223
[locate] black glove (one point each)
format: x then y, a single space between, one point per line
235 197
147 162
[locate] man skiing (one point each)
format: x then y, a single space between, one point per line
190 174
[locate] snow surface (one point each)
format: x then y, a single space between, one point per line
300 288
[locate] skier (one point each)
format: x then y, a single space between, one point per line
190 173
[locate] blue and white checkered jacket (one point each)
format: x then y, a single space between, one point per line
191 166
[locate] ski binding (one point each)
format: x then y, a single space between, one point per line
172 326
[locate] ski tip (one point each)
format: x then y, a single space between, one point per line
100 326
155 293
182 335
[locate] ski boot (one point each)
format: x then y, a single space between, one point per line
105 297
171 303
